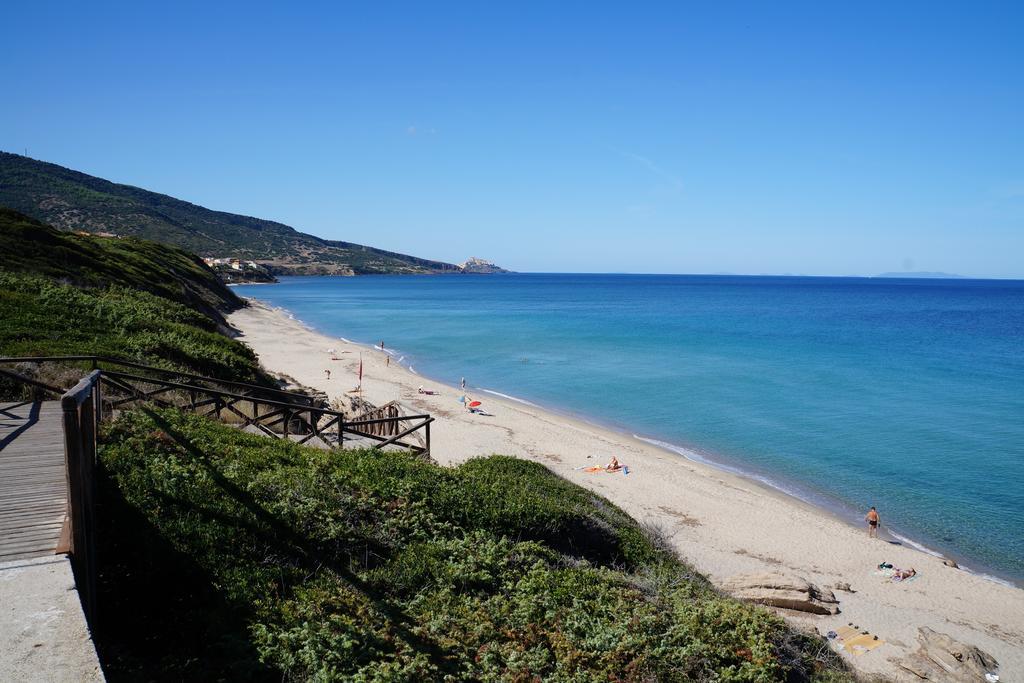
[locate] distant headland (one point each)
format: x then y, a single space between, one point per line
73 201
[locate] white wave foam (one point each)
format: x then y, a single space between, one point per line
412 370
347 341
685 452
914 544
989 577
934 553
511 398
697 457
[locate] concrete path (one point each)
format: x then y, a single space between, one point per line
43 634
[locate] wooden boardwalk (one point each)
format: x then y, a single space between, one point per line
33 482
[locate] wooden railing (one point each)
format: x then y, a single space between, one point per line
274 412
105 362
81 406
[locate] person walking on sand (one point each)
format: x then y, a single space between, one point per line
872 520
328 373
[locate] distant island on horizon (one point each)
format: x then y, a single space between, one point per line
926 274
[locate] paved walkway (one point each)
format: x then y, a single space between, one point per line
33 483
43 634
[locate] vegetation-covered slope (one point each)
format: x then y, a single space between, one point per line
28 246
232 556
71 200
66 294
43 317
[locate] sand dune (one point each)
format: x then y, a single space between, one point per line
720 523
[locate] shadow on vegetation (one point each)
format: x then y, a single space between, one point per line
284 541
159 615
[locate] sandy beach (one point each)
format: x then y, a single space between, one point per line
720 523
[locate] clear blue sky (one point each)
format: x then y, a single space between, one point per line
746 138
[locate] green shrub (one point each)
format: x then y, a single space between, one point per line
43 317
34 248
361 565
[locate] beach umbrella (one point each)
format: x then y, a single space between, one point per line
474 404
462 399
360 369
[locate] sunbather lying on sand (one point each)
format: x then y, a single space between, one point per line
428 392
901 574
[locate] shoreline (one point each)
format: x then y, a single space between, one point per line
719 519
822 502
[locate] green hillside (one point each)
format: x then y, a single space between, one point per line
70 200
65 294
28 246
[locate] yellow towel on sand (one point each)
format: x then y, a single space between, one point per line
861 644
855 642
845 632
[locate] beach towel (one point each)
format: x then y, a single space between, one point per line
855 642
861 644
594 469
890 573
844 632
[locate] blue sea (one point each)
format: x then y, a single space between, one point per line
846 392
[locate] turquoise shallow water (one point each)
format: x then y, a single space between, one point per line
904 394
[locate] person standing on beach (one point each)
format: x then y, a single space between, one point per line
328 373
872 520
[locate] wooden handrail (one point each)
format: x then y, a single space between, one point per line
286 412
33 382
227 394
81 407
150 368
74 396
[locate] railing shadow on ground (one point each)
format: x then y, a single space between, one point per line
23 422
158 606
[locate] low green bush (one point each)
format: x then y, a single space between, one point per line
44 317
35 248
229 555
